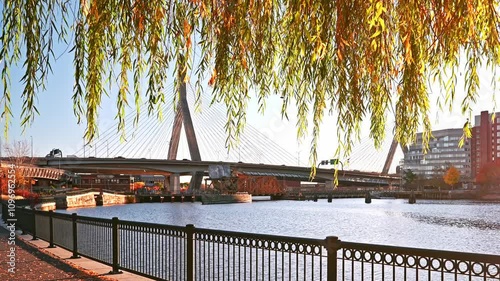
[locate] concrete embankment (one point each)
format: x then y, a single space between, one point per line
207 199
91 199
490 196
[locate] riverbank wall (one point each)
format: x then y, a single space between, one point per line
209 199
91 199
493 196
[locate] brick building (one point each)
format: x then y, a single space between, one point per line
485 146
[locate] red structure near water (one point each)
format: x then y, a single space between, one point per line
485 146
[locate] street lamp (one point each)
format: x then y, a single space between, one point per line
31 137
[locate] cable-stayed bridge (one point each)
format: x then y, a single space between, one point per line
203 135
150 139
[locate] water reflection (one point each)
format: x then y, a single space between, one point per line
454 222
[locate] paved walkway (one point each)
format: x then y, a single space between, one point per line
34 261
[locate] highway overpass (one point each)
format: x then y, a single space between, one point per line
183 167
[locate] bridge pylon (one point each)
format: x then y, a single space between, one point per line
183 116
390 156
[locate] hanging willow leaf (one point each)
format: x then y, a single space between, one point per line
355 59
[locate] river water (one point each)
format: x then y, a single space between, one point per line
467 226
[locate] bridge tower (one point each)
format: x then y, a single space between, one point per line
390 156
183 116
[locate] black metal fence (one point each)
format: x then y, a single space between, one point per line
165 252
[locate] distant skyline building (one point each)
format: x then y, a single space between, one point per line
443 152
485 140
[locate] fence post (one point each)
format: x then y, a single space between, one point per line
75 237
332 246
116 247
51 230
34 226
190 252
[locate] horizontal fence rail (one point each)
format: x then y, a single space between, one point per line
166 252
225 255
375 262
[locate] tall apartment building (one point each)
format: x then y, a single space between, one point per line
485 146
442 152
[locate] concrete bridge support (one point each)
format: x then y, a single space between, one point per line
196 179
329 185
175 184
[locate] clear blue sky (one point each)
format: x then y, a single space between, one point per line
56 126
